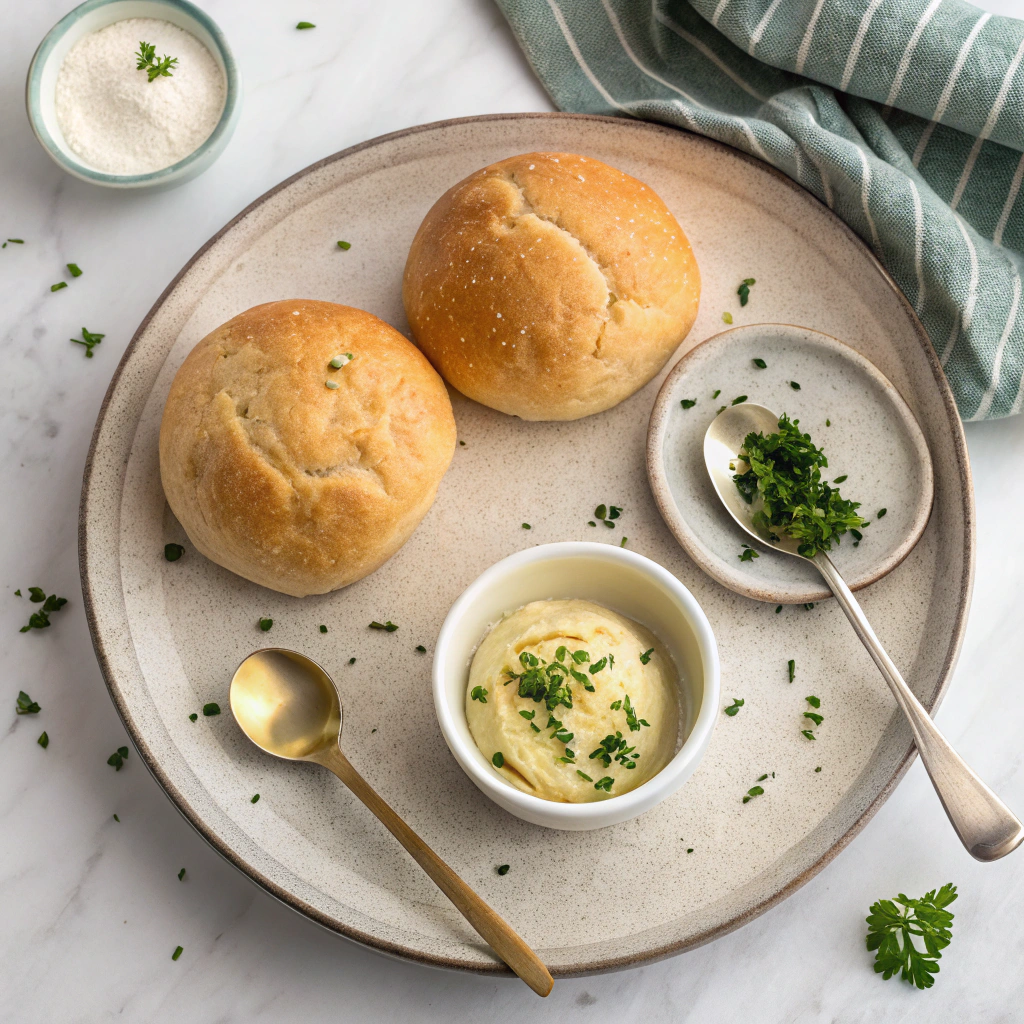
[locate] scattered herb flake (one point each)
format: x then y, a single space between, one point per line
15 241
388 627
303 25
891 932
734 707
828 423
193 717
622 543
421 649
815 702
177 952
181 875
146 61
323 629
752 792
44 740
689 849
791 665
584 775
255 798
502 869
117 819
74 270
57 287
211 709
818 769
89 339
807 607
688 403
749 554
172 552
351 661
880 513
744 290
25 705
715 394
760 363
265 624
793 384
645 656
479 693
778 608
807 732
841 479
527 526
498 760
117 758
331 385
727 318
606 784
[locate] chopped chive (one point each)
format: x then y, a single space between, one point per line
16 241
502 869
351 661
584 775
265 624
880 513
808 606
622 543
309 24
760 364
344 245
791 665
333 385
807 732
828 423
498 760
388 627
43 741
480 694
778 608
117 819
75 270
818 769
177 952
421 649
841 479
57 287
255 798
181 875
90 339
727 318
211 709
715 394
793 384
527 526
688 403
738 400
689 849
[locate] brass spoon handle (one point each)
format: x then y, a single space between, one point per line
491 927
985 825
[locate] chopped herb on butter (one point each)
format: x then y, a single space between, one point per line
479 693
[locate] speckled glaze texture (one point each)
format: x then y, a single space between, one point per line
169 635
851 411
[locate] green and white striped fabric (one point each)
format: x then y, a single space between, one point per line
905 116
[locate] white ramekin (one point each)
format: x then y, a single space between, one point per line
621 580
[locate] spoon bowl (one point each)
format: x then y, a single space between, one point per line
286 704
723 440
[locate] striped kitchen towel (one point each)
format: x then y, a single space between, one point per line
905 116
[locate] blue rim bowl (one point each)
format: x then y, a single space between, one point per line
40 87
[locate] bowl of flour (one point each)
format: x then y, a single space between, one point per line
134 93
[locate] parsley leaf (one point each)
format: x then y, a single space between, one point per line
146 61
479 693
25 705
734 707
117 758
688 403
41 618
785 472
744 290
891 933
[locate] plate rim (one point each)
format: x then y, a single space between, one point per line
688 538
395 949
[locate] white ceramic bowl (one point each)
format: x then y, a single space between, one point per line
41 87
621 580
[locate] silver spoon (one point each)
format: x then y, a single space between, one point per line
289 707
985 825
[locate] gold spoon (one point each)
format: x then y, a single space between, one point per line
985 825
290 707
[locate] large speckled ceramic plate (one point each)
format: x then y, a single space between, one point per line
168 635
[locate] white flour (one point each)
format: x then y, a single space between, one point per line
118 121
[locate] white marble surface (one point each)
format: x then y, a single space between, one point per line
91 909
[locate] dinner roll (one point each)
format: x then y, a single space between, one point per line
295 473
550 286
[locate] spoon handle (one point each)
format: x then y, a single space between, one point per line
491 927
985 825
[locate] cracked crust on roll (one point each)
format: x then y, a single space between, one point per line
286 482
550 286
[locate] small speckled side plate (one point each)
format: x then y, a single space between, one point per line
169 634
851 411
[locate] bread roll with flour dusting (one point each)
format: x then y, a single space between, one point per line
550 286
296 472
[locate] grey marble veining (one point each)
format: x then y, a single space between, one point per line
93 908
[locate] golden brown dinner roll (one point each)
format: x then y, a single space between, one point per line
550 286
286 479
